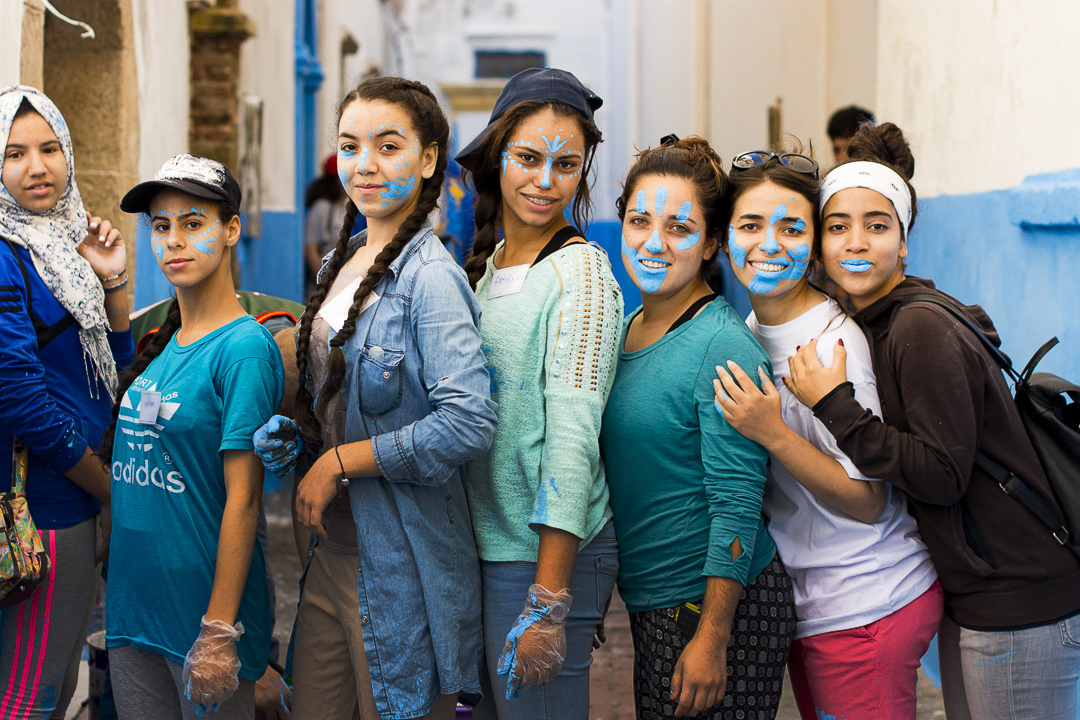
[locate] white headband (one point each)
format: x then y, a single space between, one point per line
872 176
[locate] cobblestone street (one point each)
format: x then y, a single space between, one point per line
611 685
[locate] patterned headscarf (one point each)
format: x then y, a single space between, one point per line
52 237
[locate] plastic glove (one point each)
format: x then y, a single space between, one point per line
536 646
211 668
278 444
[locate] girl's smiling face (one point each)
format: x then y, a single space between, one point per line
862 245
541 168
664 238
770 239
380 160
35 169
189 238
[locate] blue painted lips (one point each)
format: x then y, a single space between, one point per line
857 265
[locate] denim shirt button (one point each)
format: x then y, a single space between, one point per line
386 374
364 620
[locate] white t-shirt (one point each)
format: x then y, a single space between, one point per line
845 573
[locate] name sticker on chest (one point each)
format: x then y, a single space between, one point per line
149 404
507 281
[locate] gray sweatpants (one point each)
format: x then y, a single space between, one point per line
41 640
147 685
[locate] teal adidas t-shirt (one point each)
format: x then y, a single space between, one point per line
168 492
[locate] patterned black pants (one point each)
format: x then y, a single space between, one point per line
756 656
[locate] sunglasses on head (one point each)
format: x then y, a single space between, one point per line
798 163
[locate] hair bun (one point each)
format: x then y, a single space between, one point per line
883 144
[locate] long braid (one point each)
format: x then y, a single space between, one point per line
426 202
309 424
153 348
431 127
486 216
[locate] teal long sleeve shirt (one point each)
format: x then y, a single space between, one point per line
683 483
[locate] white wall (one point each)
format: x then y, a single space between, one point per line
11 13
363 20
765 50
161 61
267 70
851 57
986 92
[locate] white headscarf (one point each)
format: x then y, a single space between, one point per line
52 237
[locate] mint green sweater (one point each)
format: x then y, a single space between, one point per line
551 352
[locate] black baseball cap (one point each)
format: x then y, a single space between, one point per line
541 84
192 174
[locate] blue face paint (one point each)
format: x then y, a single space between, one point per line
661 199
648 279
684 211
553 147
771 246
738 252
640 206
398 189
654 244
765 282
689 241
857 265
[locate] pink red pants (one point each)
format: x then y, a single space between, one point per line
868 672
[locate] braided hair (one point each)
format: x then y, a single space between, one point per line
486 178
431 126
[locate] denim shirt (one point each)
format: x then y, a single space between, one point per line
416 385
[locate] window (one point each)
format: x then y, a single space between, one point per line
506 63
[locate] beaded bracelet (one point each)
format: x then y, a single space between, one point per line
117 286
113 277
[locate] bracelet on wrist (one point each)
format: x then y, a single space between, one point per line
122 284
117 276
344 480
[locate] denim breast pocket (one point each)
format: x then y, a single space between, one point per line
380 380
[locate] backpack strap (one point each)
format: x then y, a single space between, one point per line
1016 488
971 325
1007 480
45 333
557 242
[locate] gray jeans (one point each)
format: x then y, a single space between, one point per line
1011 674
146 685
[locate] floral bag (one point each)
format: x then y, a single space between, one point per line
24 565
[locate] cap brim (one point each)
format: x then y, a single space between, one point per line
138 198
468 157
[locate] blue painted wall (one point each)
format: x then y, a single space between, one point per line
1025 277
273 264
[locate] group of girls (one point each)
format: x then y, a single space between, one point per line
795 491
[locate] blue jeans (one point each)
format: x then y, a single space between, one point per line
1011 674
505 586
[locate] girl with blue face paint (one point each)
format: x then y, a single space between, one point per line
188 627
1007 644
550 307
852 550
697 568
393 400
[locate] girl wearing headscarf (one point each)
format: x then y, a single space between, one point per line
63 330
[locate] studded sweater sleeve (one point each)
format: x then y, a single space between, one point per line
583 322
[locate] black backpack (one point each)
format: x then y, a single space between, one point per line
1050 410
